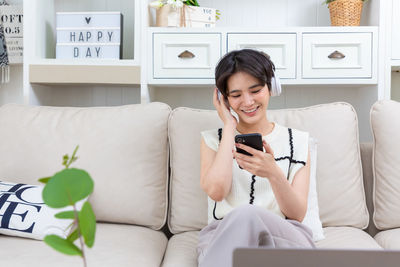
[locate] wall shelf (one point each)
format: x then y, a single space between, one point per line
395 63
116 72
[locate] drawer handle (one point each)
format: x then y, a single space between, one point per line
186 54
336 55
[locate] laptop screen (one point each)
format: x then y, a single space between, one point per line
262 257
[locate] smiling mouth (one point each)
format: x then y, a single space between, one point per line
249 111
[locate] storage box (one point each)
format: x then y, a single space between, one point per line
89 35
187 16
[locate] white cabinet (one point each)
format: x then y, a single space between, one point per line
337 55
281 47
185 55
323 55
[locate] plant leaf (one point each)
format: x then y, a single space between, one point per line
65 160
62 245
44 180
73 236
74 153
67 187
65 215
87 224
73 157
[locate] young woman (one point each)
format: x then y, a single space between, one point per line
262 202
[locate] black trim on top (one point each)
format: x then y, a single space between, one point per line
291 143
291 160
215 202
291 151
282 158
215 207
220 134
253 181
298 161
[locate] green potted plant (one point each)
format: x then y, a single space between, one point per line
65 189
345 12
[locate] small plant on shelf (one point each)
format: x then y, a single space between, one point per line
174 3
179 4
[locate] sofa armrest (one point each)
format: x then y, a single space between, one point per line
366 160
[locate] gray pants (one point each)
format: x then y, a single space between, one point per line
249 226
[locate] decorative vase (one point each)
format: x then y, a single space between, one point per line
345 12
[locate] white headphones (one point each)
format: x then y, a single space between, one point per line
276 88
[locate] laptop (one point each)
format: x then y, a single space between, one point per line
263 257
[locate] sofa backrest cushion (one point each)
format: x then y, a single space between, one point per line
339 174
366 160
385 125
124 149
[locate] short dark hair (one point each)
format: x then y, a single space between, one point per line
257 64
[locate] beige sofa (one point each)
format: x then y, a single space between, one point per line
127 151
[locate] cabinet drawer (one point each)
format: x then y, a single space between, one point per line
184 55
337 55
280 47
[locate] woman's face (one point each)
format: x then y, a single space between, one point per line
247 97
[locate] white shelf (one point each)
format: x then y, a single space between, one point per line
265 29
395 63
118 72
85 62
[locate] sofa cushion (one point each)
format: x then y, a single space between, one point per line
386 163
346 238
181 250
389 239
366 159
339 175
311 219
115 245
123 148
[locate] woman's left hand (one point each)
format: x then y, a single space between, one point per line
261 164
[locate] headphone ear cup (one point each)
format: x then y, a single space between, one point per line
276 88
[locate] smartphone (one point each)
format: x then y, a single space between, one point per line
253 140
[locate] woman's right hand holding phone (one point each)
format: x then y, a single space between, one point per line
223 109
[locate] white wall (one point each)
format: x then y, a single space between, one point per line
251 13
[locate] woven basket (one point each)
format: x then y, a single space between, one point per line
345 12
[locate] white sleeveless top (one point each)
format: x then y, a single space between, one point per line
290 148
